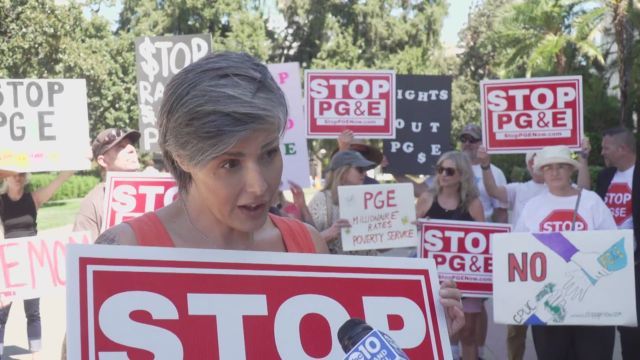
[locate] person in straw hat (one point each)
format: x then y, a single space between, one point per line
566 207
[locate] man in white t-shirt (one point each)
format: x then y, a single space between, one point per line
470 140
615 186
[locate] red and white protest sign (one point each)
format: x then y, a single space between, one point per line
562 220
363 101
128 195
618 200
33 266
144 302
462 252
519 115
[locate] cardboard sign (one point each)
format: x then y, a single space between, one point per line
564 278
212 304
295 154
44 125
462 252
423 124
157 60
128 195
519 115
362 101
380 216
34 266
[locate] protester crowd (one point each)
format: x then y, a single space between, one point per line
225 157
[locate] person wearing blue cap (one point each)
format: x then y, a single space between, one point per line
346 168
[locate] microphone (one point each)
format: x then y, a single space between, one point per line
362 342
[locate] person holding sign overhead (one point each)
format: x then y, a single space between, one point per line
567 208
454 196
19 212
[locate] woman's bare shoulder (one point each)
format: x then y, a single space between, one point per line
320 244
121 234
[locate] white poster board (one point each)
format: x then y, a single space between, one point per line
295 155
381 216
44 125
33 266
564 278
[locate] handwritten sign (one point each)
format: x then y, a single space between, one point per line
157 60
214 304
380 216
564 278
128 195
294 143
362 101
462 252
44 125
423 124
519 115
33 266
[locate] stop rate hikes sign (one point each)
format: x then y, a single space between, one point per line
362 101
130 302
462 252
528 114
130 194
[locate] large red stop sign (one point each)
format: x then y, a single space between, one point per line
560 220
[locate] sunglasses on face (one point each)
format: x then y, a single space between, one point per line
469 140
448 171
361 170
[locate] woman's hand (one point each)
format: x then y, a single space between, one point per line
450 298
298 195
334 231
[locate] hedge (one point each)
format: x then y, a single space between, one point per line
75 187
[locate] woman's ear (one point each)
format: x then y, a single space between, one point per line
184 165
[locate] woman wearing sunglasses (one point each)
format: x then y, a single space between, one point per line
454 196
346 168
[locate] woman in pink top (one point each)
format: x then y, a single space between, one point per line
220 125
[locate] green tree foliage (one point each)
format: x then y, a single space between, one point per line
43 40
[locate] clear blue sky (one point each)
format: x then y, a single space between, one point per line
455 20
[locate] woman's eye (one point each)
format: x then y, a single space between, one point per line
230 164
271 153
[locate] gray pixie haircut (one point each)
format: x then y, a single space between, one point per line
209 105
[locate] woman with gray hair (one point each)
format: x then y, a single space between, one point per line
454 196
220 125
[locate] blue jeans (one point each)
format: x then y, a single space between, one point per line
34 328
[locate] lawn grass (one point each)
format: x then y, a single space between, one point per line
57 213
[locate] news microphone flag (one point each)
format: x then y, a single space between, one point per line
376 345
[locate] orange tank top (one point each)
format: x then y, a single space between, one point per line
150 231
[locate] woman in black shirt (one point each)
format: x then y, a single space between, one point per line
19 212
454 196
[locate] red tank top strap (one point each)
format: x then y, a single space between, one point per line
150 231
295 234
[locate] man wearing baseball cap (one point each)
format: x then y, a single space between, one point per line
114 150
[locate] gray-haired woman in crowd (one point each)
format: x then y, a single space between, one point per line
220 123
